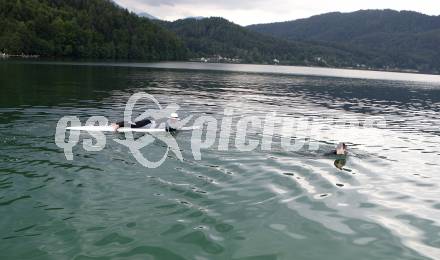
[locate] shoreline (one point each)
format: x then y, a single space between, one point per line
258 69
192 60
24 56
397 70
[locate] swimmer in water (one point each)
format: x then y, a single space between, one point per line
137 124
341 149
341 152
171 125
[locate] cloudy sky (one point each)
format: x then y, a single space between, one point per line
247 12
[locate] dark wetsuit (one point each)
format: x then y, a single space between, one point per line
137 124
169 129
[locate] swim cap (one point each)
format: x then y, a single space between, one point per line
174 115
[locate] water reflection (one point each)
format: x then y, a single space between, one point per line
340 163
381 202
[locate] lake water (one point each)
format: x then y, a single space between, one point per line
382 202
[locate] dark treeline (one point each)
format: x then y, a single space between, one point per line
83 29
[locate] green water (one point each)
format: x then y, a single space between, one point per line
277 204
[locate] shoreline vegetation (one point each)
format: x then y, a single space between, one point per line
4 56
102 30
226 60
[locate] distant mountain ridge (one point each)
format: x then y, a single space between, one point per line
402 39
147 15
217 36
196 17
338 26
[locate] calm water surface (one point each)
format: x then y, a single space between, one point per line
383 203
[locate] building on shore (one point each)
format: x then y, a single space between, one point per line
217 59
24 56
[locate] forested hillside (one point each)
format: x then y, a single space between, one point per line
217 36
83 29
397 39
100 29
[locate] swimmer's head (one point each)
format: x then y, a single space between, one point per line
341 149
174 117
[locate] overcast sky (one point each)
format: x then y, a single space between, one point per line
245 12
